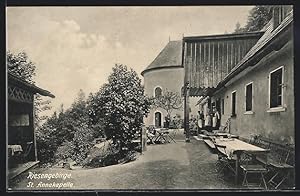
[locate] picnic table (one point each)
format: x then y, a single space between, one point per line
235 148
164 133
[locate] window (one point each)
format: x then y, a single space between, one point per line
157 92
233 104
222 106
18 120
249 97
276 88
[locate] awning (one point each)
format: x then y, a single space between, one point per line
202 100
202 91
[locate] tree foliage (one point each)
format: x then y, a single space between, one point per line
169 101
68 134
258 17
121 105
20 65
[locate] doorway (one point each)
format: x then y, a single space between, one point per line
157 119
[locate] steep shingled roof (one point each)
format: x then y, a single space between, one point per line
169 57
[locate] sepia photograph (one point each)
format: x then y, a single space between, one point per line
150 98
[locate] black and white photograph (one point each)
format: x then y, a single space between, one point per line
150 98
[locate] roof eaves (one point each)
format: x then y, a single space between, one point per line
32 87
154 68
223 36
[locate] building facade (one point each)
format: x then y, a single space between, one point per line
248 77
258 95
164 73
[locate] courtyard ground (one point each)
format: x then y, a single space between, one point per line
177 165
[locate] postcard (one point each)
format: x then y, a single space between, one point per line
150 98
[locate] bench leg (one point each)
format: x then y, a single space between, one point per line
264 181
271 180
283 179
245 181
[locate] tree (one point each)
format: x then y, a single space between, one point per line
169 101
21 66
47 142
68 134
238 28
40 105
121 105
258 17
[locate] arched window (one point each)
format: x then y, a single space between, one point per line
157 92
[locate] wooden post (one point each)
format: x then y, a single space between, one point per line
143 139
187 63
237 167
33 127
186 112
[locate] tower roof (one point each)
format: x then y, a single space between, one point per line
169 57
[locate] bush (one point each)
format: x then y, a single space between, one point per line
81 143
45 147
64 151
78 148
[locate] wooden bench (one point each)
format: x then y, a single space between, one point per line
280 159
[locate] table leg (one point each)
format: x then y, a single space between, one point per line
237 165
163 137
157 138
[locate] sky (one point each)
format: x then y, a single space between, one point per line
75 48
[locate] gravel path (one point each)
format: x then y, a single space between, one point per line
177 165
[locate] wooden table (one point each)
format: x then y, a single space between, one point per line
234 149
164 134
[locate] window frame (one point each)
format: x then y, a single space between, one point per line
281 107
155 89
245 105
233 114
223 106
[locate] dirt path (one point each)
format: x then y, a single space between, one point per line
177 165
